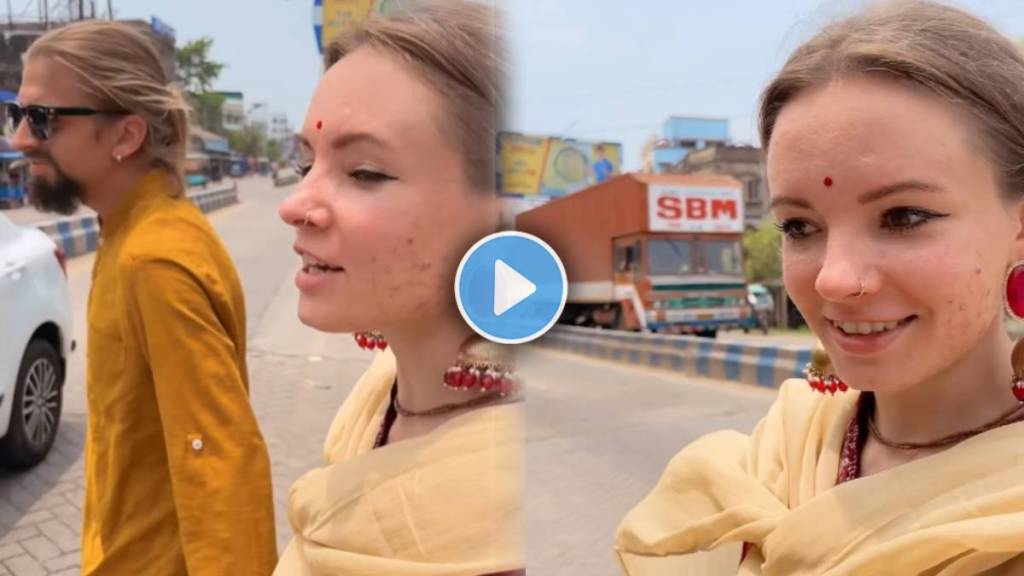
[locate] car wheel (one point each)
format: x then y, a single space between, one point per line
36 406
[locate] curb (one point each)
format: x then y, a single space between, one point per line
766 366
79 235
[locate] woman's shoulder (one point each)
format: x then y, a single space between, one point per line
357 422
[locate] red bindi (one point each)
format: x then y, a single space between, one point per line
319 124
828 182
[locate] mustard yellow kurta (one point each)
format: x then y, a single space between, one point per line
449 503
954 513
177 473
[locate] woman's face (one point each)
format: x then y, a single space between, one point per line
390 209
885 188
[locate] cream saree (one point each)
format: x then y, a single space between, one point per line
957 512
449 503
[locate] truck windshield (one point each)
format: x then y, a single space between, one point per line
722 257
668 257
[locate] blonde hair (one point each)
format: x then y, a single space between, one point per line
940 49
119 65
454 45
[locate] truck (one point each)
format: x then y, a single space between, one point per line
650 252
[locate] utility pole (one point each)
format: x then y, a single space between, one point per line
110 10
46 14
10 15
81 9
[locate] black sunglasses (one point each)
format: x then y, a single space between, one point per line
40 118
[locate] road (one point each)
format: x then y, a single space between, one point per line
599 435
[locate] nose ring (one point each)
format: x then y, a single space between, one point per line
861 284
305 221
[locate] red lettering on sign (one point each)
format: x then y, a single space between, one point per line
696 209
720 207
669 208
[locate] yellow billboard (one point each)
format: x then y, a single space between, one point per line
552 166
332 17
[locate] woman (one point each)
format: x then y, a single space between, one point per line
423 464
895 156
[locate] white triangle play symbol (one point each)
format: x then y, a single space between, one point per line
510 288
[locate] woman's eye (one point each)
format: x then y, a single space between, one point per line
369 176
302 168
904 219
796 229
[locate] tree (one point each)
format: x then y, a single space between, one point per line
209 109
197 73
764 257
249 141
274 150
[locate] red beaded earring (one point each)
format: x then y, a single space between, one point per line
370 340
483 366
821 375
1013 300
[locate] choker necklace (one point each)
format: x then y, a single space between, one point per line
955 438
449 408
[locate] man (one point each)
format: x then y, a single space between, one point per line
603 168
177 473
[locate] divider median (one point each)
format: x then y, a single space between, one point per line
760 364
79 235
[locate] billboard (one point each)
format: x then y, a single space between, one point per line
694 209
332 17
552 166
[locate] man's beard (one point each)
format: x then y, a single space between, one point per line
63 195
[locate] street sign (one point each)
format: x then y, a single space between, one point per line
162 28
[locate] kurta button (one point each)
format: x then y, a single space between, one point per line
197 444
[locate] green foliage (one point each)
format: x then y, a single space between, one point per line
763 251
274 150
208 108
197 73
250 141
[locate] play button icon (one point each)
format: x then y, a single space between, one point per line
511 287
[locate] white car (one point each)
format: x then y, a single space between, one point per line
35 343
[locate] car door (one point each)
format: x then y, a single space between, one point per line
14 309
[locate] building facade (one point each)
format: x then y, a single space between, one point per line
18 36
275 123
233 111
681 135
745 163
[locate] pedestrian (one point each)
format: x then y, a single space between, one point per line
420 478
177 476
895 157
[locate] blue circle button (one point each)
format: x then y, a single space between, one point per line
511 287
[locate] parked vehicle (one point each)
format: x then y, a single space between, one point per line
763 303
35 329
13 177
659 253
